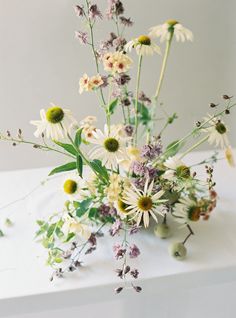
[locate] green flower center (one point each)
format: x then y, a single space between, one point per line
111 144
183 172
70 186
122 206
144 40
221 129
145 203
171 24
194 213
54 115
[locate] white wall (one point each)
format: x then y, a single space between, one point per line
40 62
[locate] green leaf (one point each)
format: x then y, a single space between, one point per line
78 138
99 168
173 148
144 113
112 106
93 213
67 167
9 222
69 237
1 233
51 229
83 207
79 164
68 147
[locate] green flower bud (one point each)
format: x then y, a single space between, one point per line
178 251
162 230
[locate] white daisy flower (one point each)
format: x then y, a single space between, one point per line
72 225
110 147
143 203
74 187
217 132
186 211
55 123
143 45
176 168
168 29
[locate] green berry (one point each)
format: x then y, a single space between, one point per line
178 251
162 230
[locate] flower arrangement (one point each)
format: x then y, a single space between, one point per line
122 177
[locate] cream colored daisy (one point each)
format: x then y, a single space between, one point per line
88 126
96 81
110 146
143 45
143 203
117 62
133 154
168 29
84 84
186 211
176 168
114 189
72 225
217 132
55 123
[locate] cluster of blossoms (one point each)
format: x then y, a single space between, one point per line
131 178
88 84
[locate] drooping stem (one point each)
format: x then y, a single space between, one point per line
136 99
190 233
35 145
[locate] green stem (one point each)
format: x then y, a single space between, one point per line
160 82
201 141
198 128
36 145
163 68
136 99
93 49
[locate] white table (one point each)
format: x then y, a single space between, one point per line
204 284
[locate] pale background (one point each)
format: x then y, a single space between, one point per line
41 62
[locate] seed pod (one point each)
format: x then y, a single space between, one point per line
178 251
162 230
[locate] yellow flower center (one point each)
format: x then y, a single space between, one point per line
122 206
171 22
70 186
221 129
145 203
111 144
194 213
183 172
144 40
54 115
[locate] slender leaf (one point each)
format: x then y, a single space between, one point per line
99 168
67 147
83 207
79 164
112 106
78 138
67 167
173 148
